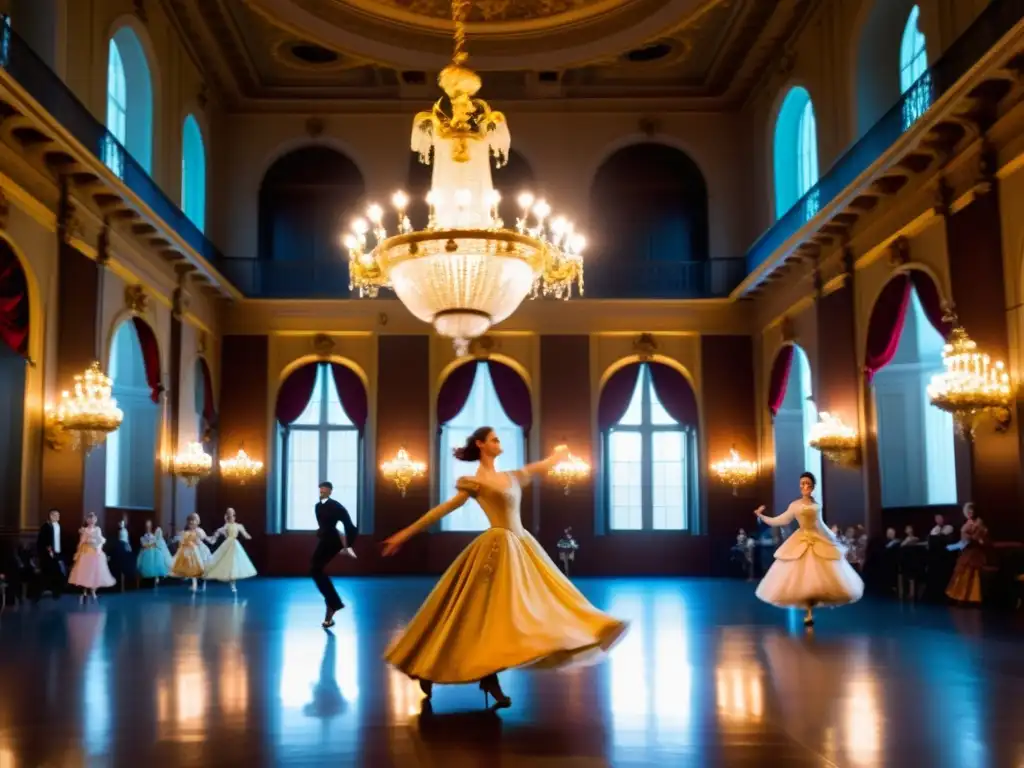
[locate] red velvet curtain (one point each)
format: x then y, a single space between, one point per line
455 392
931 301
513 394
779 378
615 396
150 357
886 324
351 392
13 302
675 393
293 397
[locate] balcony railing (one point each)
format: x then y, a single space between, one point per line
998 18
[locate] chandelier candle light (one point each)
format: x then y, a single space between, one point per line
90 413
192 465
837 442
466 270
971 386
402 470
735 471
241 468
569 471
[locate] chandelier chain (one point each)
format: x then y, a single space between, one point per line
460 10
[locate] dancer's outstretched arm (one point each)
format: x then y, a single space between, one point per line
393 543
560 453
776 522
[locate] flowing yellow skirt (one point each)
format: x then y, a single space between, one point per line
502 604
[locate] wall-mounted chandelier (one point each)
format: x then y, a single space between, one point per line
466 270
569 471
972 385
86 415
402 470
837 442
240 468
734 471
192 465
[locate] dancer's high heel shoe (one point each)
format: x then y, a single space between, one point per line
808 619
427 687
492 689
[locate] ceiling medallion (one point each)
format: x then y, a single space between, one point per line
465 271
493 10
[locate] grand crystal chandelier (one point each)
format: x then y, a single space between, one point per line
971 385
192 465
241 468
89 413
466 270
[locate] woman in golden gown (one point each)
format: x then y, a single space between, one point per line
503 603
965 586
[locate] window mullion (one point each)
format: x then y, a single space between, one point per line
646 453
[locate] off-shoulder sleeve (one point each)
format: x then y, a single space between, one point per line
468 485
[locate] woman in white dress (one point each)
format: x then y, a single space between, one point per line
230 563
810 567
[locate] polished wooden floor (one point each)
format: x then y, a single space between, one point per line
707 676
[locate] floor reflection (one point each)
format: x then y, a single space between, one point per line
706 676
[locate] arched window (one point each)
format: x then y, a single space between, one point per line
916 450
915 81
796 154
650 449
129 102
131 450
482 407
193 173
651 234
794 415
323 442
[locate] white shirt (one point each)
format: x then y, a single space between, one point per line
56 538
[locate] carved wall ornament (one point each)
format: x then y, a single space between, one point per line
135 299
382 318
943 197
988 164
103 244
648 126
899 252
788 329
484 346
315 127
69 226
645 346
323 344
180 302
202 343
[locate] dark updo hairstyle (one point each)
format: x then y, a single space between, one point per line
471 451
812 478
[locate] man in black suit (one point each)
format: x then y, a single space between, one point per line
51 560
329 514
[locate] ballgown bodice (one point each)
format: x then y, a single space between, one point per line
231 531
812 533
148 541
500 504
91 538
122 538
190 539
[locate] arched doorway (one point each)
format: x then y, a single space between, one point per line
648 225
14 336
134 369
306 200
916 441
792 403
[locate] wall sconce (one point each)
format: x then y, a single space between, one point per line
972 386
735 471
569 471
241 468
837 442
402 470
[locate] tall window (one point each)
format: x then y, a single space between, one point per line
792 427
321 444
482 408
796 153
129 103
915 80
131 450
193 173
651 462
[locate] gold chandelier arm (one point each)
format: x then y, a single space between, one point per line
460 9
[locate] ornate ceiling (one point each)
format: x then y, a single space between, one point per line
276 54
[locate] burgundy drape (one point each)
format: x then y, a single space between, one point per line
675 393
14 317
150 357
351 392
455 392
931 301
209 411
293 397
886 324
513 394
615 396
779 378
